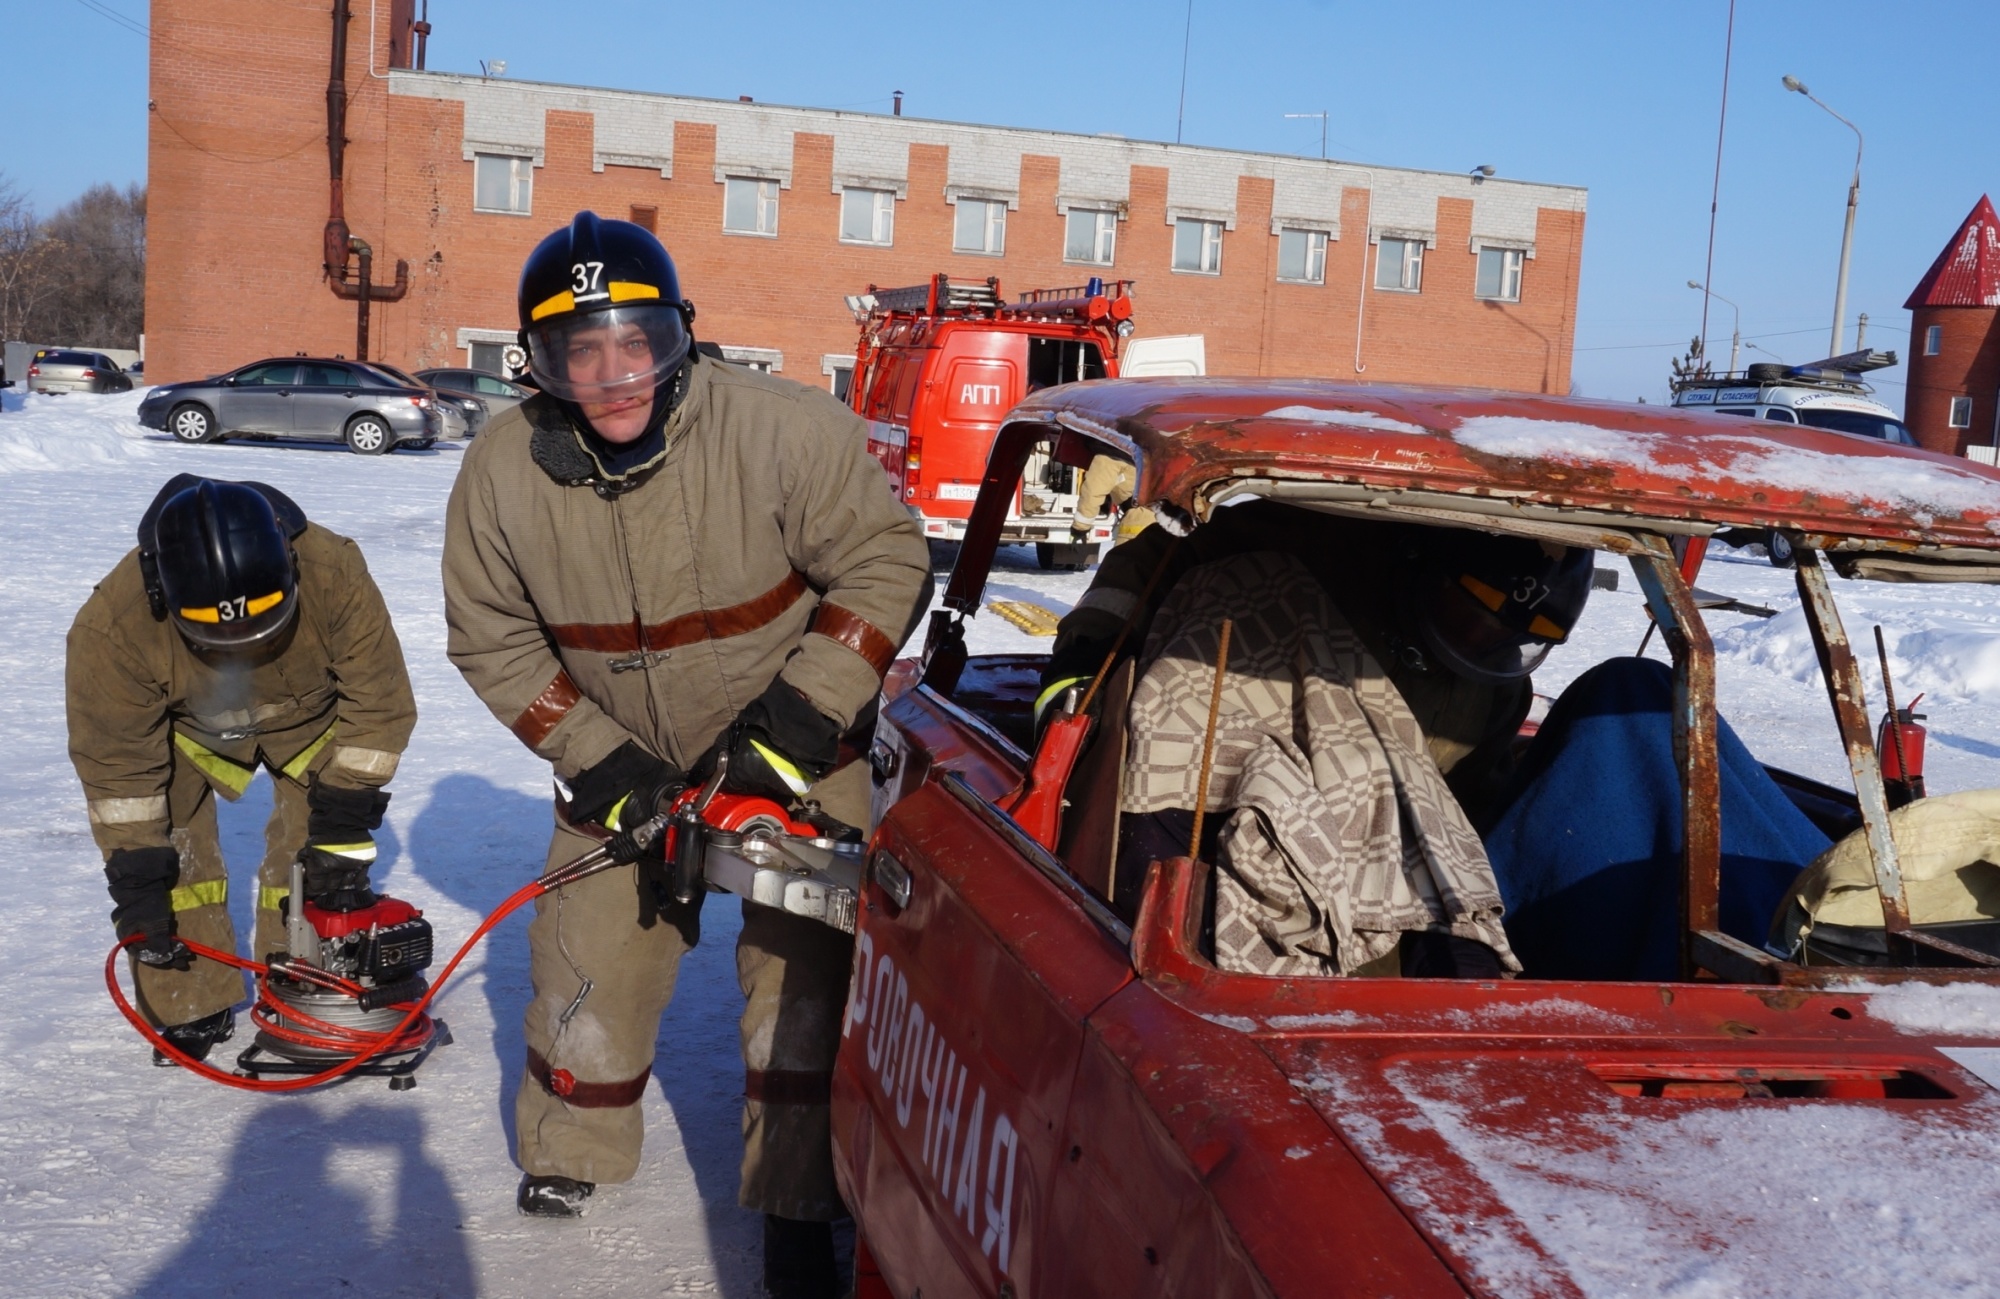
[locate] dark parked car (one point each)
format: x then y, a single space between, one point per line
463 416
308 398
62 370
495 393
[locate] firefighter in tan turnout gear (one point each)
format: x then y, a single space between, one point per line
237 635
660 558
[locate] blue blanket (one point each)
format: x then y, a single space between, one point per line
1588 853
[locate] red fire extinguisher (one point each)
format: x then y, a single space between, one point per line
1901 744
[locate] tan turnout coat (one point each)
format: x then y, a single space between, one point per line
763 543
337 699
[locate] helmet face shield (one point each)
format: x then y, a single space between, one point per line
616 354
1491 608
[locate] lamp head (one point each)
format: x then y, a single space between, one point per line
1793 83
1694 284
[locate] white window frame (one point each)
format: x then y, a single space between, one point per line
1933 339
1961 413
835 364
1409 264
1199 250
992 219
1315 255
1103 235
1512 260
879 216
519 182
764 205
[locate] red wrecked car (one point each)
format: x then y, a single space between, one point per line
1040 1094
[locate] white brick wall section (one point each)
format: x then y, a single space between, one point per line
1306 195
636 129
1095 172
1201 183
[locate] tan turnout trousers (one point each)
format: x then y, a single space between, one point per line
201 896
599 1050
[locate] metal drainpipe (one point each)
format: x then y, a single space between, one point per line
367 256
335 243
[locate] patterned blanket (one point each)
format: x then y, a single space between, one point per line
1342 834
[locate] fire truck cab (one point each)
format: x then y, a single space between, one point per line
939 364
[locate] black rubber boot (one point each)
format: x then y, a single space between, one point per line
798 1260
553 1197
197 1037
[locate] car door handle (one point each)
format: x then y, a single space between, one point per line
893 876
284 392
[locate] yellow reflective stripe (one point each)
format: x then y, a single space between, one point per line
296 768
794 778
630 291
1044 699
1485 594
124 811
264 602
610 821
358 851
564 301
206 893
271 895
226 772
210 614
1546 628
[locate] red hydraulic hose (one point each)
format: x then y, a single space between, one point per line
414 1030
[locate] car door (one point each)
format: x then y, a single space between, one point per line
326 396
259 400
964 1029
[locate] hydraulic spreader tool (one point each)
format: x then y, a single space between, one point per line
349 996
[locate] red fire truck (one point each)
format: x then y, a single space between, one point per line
940 363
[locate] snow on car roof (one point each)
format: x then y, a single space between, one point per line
1646 468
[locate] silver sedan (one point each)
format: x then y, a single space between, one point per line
305 398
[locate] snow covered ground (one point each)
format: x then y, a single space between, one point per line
120 1179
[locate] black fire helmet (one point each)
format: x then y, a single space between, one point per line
1491 608
217 559
601 308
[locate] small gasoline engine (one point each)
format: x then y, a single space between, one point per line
351 971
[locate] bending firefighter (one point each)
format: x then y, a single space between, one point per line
661 558
237 635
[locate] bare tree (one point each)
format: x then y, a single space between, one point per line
92 255
23 258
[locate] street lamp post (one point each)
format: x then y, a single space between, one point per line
1735 321
1853 197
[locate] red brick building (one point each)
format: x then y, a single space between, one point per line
1285 265
1953 399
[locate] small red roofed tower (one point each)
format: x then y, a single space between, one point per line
1953 399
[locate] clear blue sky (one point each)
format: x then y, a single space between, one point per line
1613 95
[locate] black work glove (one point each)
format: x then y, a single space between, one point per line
625 789
141 881
1074 664
340 845
778 746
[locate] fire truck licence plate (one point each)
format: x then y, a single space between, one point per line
958 491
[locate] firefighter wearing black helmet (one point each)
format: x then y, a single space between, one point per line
659 558
236 635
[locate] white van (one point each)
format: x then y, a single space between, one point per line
1825 395
1818 397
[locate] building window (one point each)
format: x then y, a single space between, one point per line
750 207
1499 274
647 218
1302 256
1399 265
1933 339
1198 246
839 371
1092 236
488 357
1961 412
979 226
868 216
501 183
